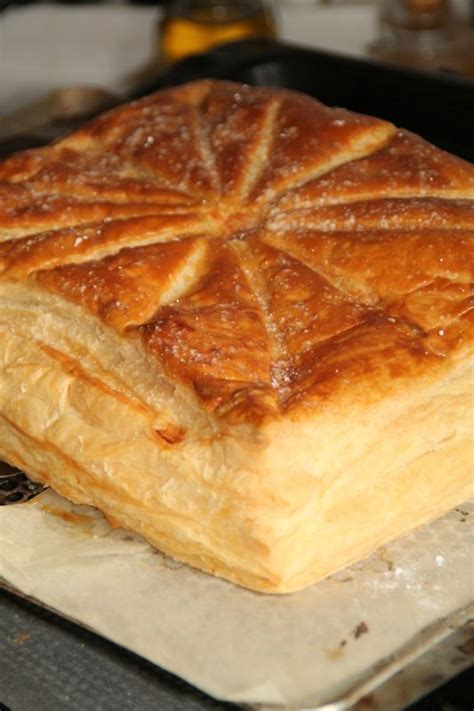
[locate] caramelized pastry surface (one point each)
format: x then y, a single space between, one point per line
241 233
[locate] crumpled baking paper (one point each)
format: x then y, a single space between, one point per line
305 649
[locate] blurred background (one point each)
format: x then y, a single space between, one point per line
115 45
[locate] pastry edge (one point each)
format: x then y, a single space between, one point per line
273 511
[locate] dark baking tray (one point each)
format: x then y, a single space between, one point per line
439 107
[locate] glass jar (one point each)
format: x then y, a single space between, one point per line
193 26
426 34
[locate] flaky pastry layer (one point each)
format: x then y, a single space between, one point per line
240 324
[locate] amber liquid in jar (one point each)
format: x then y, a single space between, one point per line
196 26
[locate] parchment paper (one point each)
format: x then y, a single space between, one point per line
303 649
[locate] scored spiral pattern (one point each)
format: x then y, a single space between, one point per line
264 247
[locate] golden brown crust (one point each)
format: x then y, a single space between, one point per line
218 154
262 257
407 166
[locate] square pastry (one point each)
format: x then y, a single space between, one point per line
240 323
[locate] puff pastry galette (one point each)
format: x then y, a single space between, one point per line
239 323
